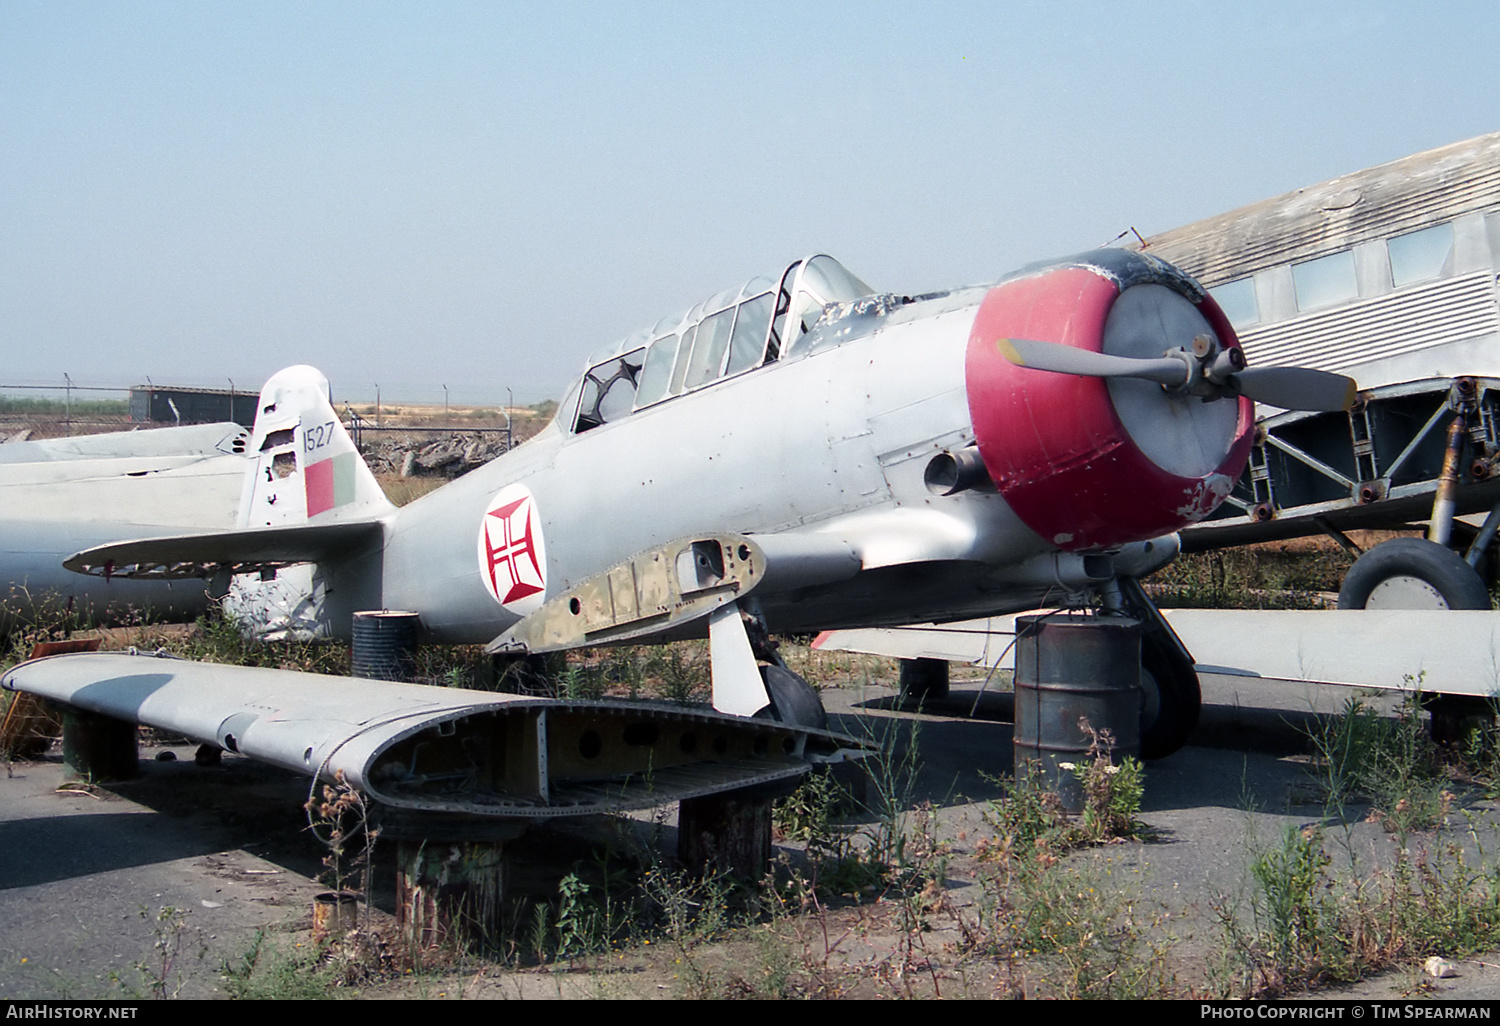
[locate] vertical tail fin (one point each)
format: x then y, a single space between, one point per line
306 468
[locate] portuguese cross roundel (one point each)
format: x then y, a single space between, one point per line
512 555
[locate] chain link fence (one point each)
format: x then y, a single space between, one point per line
49 411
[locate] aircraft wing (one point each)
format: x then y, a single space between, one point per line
983 642
421 749
224 439
206 553
1452 651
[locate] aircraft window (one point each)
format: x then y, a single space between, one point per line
708 350
755 324
1420 255
569 406
679 373
609 391
1325 281
828 277
806 311
822 280
658 373
1237 300
749 341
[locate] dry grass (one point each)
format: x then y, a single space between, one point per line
402 490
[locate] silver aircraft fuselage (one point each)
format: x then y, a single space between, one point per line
829 444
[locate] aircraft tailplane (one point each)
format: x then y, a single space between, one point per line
306 467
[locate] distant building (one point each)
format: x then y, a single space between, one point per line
154 404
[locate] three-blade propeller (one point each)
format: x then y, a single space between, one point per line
1208 371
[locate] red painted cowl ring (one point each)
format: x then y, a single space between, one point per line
1091 463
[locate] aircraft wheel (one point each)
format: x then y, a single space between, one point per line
793 700
1171 698
1412 573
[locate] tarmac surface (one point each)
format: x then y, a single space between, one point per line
87 872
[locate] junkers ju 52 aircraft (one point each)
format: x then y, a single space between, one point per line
799 454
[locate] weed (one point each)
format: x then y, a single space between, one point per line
1089 935
160 974
679 671
1389 760
581 682
1310 925
340 818
449 666
1112 791
216 637
870 858
403 490
582 926
806 816
624 668
1268 576
829 668
1299 916
1031 824
271 972
892 780
1481 758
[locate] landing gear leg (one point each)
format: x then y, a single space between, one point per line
1170 695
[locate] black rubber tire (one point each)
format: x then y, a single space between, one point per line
793 700
1171 697
1452 582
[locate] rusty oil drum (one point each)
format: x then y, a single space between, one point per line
385 644
1073 669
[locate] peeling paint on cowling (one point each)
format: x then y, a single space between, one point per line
1123 268
1205 497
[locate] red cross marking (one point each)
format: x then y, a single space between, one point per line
522 576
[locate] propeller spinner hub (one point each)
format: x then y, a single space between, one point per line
1089 462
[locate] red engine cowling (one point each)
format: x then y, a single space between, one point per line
1090 463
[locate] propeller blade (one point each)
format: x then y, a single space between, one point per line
1291 388
1053 356
1296 388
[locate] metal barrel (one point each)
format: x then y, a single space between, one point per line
1073 672
385 644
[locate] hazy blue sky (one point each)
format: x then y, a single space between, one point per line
480 194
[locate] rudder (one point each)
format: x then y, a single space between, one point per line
306 467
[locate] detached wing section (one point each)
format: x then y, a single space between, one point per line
208 554
1448 651
442 750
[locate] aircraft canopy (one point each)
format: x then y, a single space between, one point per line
733 332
